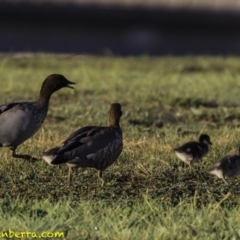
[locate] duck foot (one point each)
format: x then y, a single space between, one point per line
69 182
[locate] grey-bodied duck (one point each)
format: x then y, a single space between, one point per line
91 146
21 120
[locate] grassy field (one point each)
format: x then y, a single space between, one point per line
147 193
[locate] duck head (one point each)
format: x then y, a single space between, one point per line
204 138
114 115
53 83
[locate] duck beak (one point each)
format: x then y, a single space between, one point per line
69 82
210 142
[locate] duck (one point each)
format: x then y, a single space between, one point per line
19 121
90 146
193 151
227 166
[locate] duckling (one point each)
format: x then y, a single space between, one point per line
193 151
91 146
21 120
226 167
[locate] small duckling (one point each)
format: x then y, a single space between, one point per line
193 151
226 167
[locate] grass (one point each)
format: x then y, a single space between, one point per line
147 194
144 218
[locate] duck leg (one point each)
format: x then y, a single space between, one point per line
25 157
69 176
224 180
191 165
183 165
100 177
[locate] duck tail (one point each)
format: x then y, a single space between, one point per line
50 154
58 159
212 168
52 151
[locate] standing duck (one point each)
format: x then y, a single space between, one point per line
226 167
21 120
193 151
91 146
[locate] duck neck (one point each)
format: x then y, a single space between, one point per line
112 123
44 96
43 100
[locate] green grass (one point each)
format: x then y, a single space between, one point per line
145 219
147 195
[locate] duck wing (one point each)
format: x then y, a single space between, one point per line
230 162
195 149
189 147
79 133
78 138
8 106
88 142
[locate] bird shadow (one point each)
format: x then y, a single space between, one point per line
26 157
